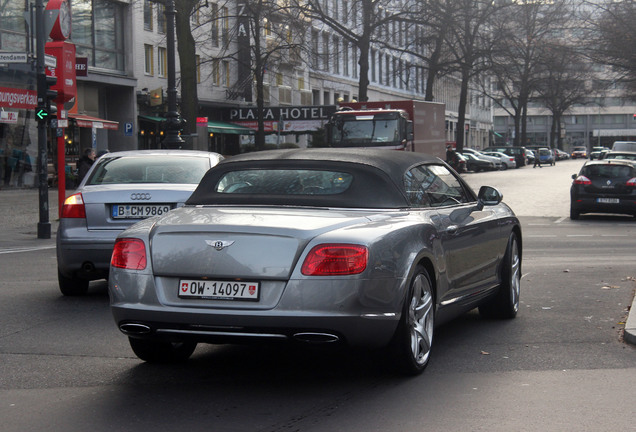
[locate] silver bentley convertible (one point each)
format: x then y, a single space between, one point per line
368 248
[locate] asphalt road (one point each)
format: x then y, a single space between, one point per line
560 366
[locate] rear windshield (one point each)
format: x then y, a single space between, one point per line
284 182
608 171
149 169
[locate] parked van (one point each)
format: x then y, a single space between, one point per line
624 146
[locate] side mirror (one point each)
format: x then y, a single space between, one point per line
409 130
488 196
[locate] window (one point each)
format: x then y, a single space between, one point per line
161 19
214 16
325 52
162 63
216 73
226 72
433 186
147 15
149 59
225 23
336 55
98 33
301 83
12 27
279 79
284 182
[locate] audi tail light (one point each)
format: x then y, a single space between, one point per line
335 259
582 180
73 207
129 253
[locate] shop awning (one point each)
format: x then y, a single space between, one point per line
229 128
94 122
152 118
498 134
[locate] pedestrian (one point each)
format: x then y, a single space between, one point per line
537 160
84 163
451 157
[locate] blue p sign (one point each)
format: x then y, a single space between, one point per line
128 129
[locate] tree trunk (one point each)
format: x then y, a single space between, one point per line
463 102
187 64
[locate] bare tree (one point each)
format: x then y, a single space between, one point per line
428 24
524 29
368 23
611 37
562 84
470 39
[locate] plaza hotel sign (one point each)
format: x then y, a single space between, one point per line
282 118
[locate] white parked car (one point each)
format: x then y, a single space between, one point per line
507 161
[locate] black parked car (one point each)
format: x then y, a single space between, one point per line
476 163
604 186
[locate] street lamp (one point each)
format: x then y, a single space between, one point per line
173 122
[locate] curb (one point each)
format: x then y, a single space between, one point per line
630 325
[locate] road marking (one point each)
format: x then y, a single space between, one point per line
561 219
24 249
535 236
580 235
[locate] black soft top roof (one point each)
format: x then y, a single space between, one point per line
378 177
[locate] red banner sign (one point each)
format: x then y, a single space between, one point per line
18 98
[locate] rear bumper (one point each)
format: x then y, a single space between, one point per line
84 253
359 313
589 205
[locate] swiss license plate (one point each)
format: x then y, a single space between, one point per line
138 211
608 200
219 290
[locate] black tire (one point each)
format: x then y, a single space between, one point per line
413 339
153 351
506 303
72 286
574 213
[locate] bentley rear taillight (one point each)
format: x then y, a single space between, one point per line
74 207
129 253
335 259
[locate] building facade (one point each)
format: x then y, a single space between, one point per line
121 101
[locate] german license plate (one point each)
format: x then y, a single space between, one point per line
608 200
219 290
138 211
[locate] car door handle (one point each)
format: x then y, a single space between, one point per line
452 229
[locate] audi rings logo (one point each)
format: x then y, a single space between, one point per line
140 196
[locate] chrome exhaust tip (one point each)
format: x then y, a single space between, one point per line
316 338
134 329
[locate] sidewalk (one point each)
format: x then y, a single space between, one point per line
20 214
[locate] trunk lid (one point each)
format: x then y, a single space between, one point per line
239 242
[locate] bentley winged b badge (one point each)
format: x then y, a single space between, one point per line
220 244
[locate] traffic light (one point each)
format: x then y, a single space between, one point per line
45 108
51 94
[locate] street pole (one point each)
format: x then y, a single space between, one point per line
173 122
44 225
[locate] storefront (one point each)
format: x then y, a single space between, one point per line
18 137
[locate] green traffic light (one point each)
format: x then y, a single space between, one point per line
41 114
